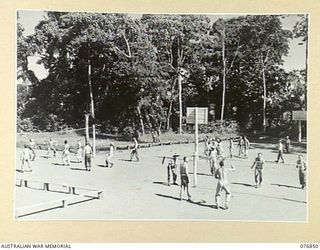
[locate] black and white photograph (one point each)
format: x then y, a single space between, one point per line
161 117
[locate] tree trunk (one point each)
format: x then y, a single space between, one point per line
92 109
159 132
87 126
141 121
180 101
264 122
170 108
223 76
148 121
169 115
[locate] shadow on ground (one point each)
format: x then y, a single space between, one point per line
283 185
243 184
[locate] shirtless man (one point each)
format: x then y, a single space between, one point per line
184 175
223 184
51 145
213 161
134 151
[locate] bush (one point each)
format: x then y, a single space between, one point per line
227 127
280 128
53 123
24 125
128 131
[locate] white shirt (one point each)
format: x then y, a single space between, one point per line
280 146
87 149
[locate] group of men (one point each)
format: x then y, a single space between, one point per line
213 150
29 153
82 154
220 173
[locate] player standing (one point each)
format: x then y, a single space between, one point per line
25 158
184 176
302 167
51 144
87 156
240 145
134 152
230 147
79 151
258 164
219 148
206 145
110 156
223 184
246 145
32 147
66 154
213 161
172 169
287 144
280 152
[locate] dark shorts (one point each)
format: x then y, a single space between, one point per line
184 180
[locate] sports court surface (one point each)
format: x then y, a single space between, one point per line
139 190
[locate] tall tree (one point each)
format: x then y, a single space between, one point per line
265 43
227 34
172 36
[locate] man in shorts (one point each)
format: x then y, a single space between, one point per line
287 145
110 156
25 158
246 146
87 156
213 161
134 152
241 146
302 167
219 148
51 146
79 151
258 166
32 146
230 147
223 184
172 169
184 176
280 152
66 154
206 145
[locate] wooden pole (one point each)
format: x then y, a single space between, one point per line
92 110
223 75
299 137
180 101
86 117
141 121
264 122
196 148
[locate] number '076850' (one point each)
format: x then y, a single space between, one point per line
309 246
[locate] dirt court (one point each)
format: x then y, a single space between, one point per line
139 190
